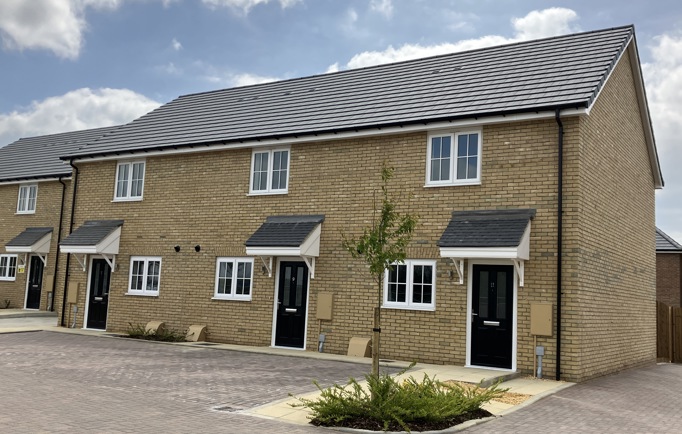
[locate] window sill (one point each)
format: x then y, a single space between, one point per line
425 309
7 280
137 294
126 199
267 193
24 212
230 299
454 184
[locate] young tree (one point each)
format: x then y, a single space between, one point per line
381 245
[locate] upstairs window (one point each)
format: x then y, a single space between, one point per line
28 194
411 285
234 278
8 267
129 180
145 274
454 159
270 172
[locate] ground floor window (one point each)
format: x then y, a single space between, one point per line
8 267
411 285
145 274
233 279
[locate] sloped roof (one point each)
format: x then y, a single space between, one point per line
38 157
29 237
664 243
284 231
91 233
560 72
489 228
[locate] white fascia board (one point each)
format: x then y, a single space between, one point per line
109 245
480 252
84 250
311 245
35 181
307 138
273 251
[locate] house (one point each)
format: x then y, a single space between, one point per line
35 193
668 269
227 209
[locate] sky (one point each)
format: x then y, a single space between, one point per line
67 65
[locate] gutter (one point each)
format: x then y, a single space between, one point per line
560 219
74 189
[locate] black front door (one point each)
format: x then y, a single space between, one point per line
99 294
35 283
492 308
292 295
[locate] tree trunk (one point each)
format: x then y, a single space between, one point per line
375 341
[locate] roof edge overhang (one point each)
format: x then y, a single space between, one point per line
396 128
47 178
109 245
520 252
41 246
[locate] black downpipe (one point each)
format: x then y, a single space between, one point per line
74 189
59 239
560 219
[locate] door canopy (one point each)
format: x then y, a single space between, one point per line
490 234
94 237
290 235
34 241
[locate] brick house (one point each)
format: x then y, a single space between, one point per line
35 193
668 269
227 209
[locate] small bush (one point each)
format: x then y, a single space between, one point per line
391 404
166 335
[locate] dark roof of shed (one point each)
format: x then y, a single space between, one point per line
38 157
560 72
29 237
494 228
284 231
91 232
665 243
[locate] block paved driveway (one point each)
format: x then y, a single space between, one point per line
58 382
644 400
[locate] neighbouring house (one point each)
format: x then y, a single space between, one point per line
35 193
668 269
522 161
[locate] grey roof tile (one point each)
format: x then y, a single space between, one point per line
565 71
284 231
91 232
664 242
29 237
38 157
490 228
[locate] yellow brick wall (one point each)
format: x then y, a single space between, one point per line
12 224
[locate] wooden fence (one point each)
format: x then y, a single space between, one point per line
669 333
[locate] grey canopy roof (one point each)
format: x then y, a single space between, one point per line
560 72
494 228
29 237
38 157
91 232
284 231
665 243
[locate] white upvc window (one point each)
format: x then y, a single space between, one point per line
233 278
454 159
129 180
8 267
145 275
28 196
411 285
269 171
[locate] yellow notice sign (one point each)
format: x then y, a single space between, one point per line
21 269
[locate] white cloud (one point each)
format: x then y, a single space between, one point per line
384 7
244 6
663 77
76 110
333 68
53 25
233 80
537 24
177 46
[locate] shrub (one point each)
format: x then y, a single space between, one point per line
166 335
389 403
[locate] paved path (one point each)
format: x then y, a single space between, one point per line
57 382
646 400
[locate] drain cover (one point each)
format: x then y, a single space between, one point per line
226 408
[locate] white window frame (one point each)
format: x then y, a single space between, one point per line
454 137
127 194
7 260
270 169
233 285
408 304
24 201
145 274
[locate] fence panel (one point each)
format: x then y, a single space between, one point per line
677 334
663 335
